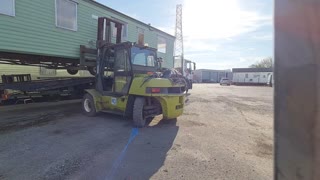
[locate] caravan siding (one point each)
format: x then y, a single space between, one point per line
32 30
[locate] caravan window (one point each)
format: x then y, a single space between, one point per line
66 14
124 30
162 44
140 36
7 7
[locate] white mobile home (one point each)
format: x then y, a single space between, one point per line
251 76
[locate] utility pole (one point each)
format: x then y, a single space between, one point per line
178 53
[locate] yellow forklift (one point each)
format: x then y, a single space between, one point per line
129 81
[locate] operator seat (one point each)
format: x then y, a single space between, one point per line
107 83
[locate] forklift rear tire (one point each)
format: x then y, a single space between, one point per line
88 106
138 116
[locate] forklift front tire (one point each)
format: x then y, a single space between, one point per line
138 116
88 106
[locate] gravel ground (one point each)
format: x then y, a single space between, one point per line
226 132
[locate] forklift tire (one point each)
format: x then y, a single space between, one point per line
138 118
88 106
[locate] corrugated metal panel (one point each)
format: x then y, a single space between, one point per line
229 75
214 76
197 76
205 75
33 30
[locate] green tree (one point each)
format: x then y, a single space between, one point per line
264 63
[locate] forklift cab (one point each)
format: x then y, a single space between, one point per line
119 63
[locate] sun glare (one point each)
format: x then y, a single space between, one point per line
215 19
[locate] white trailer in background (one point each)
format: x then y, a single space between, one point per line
252 76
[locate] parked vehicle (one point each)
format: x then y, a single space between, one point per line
225 81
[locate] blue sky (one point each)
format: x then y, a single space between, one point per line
217 34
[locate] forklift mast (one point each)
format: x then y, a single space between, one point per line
104 40
104 36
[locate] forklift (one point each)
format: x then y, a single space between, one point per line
129 81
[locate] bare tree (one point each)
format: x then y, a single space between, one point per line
264 63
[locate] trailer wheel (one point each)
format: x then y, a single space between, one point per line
72 71
138 116
92 70
88 106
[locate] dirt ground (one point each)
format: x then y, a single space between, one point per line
226 132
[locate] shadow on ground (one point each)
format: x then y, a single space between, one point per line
208 147
143 158
147 155
73 146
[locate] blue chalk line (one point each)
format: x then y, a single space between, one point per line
116 164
